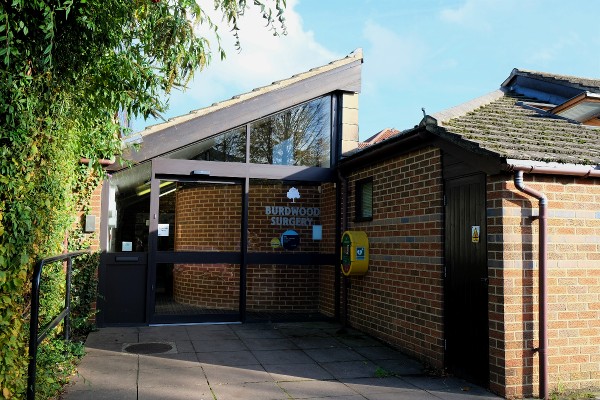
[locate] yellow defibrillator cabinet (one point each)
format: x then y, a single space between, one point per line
355 253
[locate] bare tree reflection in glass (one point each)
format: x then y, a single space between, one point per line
298 136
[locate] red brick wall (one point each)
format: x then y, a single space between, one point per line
213 286
260 227
328 245
208 219
289 288
95 210
400 299
573 278
283 288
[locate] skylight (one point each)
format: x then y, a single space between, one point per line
582 108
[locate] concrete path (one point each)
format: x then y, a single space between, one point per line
254 361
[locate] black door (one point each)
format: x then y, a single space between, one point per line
122 288
466 285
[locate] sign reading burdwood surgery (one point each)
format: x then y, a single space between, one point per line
292 216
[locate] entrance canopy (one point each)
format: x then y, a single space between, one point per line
230 212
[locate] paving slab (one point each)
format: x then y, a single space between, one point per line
269 344
165 361
96 381
370 386
406 395
267 357
100 338
221 375
401 367
228 358
297 372
171 336
334 354
202 334
218 345
255 361
106 394
316 342
254 390
174 377
170 393
316 389
184 346
351 369
259 334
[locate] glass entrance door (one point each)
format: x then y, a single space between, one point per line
196 269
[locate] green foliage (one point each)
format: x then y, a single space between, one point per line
83 293
68 68
56 362
382 373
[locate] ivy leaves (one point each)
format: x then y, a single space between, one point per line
68 68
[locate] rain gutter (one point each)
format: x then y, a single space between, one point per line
520 170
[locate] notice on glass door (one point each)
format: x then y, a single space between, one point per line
163 229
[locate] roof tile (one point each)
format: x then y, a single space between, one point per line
510 129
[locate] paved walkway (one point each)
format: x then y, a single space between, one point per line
254 361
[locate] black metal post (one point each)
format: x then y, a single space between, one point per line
68 298
35 338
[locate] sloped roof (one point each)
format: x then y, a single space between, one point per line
503 126
573 81
380 136
511 129
343 75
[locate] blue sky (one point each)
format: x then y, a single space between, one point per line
417 53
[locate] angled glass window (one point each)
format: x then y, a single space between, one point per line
228 146
298 136
364 200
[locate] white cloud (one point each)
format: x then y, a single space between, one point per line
471 14
392 59
551 50
262 59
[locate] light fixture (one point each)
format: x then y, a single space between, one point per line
145 188
167 192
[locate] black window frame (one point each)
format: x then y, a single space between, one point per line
359 210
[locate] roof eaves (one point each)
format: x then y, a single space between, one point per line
395 145
356 55
575 82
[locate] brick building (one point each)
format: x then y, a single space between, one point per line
454 275
475 218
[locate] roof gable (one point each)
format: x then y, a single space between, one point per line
340 75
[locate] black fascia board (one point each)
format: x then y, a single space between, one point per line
403 143
541 89
422 136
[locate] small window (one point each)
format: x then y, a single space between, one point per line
364 200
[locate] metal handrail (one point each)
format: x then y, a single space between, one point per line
35 338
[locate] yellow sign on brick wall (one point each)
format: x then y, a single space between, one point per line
475 231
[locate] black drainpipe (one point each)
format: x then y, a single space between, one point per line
543 255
